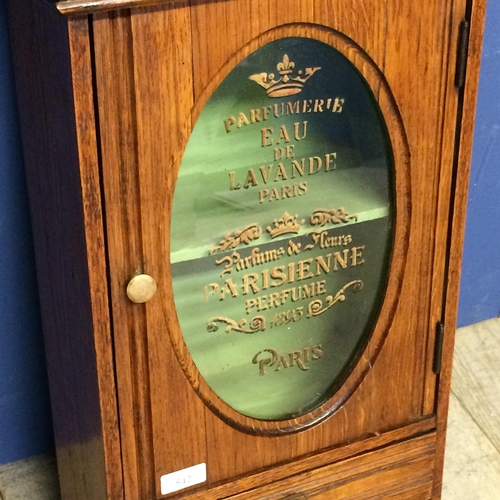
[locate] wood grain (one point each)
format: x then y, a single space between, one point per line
471 461
444 196
164 98
210 53
413 99
402 471
61 166
131 110
458 211
315 461
403 371
116 103
117 94
399 142
91 196
90 6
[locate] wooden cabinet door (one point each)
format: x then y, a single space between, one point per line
156 69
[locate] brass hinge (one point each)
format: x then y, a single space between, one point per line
438 347
462 52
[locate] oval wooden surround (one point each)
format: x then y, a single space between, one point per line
375 79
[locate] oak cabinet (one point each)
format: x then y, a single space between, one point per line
248 219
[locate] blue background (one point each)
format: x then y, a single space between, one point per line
480 283
25 421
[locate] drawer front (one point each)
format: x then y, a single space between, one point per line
403 471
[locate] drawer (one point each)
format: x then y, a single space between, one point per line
402 471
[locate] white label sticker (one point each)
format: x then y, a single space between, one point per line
184 478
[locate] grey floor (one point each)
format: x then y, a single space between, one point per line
32 479
472 461
472 465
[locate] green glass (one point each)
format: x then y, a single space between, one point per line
282 229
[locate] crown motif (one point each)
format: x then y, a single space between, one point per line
286 224
287 84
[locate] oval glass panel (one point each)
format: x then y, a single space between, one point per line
282 229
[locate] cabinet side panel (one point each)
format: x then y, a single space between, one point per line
77 341
80 48
446 159
458 211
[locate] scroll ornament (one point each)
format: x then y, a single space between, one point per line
258 324
317 307
246 235
286 224
334 215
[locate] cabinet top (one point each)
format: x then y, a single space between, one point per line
88 6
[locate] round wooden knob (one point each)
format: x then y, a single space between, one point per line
141 288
